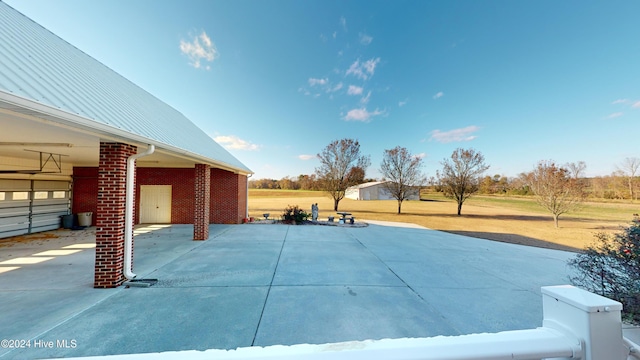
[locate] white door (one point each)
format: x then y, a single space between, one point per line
155 204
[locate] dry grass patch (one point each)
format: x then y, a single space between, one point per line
514 220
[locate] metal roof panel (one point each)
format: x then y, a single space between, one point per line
37 65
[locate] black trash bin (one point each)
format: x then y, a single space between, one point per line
67 221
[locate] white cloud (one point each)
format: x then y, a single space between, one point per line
304 91
199 49
336 88
365 39
325 86
343 23
365 99
634 103
362 114
363 70
370 65
234 142
402 103
421 155
438 95
354 90
463 134
314 82
306 157
615 115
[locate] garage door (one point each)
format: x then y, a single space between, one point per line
155 204
29 206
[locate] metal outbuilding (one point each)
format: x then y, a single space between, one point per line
374 190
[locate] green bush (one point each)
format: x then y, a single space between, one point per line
611 267
294 215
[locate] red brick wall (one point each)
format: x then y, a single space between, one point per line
85 191
224 197
228 193
182 183
110 230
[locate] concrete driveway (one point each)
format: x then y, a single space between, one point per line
257 285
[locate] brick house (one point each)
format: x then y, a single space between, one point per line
69 127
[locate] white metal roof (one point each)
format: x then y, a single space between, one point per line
44 76
367 184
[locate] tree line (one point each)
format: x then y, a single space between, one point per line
608 187
558 188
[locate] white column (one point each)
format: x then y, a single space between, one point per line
587 316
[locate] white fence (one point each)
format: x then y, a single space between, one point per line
576 325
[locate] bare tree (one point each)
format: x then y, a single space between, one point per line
555 188
341 166
460 177
630 168
576 170
403 173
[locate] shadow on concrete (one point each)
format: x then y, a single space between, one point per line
463 216
514 239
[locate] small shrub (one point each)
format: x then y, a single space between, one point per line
294 215
611 267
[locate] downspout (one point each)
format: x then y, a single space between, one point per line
128 215
247 206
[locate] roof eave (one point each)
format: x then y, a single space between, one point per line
60 117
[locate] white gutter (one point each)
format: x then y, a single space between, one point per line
128 215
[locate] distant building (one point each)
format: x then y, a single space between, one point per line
374 190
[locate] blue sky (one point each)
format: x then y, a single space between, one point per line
276 81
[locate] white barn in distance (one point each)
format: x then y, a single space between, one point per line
374 190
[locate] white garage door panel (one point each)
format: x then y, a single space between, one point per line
14 223
32 206
14 214
50 202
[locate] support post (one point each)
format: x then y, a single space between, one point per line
110 224
587 316
202 194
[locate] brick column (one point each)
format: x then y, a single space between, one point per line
112 171
202 202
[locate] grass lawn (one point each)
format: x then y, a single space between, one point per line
511 219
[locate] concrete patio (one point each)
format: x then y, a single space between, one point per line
257 285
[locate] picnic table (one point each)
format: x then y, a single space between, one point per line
344 215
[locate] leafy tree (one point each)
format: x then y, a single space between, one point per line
341 166
555 188
460 177
402 171
494 185
307 182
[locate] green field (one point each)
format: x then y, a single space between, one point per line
510 219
